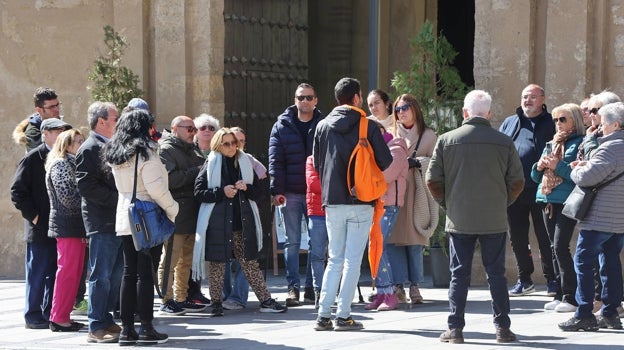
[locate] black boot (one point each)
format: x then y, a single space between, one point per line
149 336
128 336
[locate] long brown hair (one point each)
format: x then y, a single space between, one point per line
414 107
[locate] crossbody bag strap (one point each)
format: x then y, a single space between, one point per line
417 144
599 186
136 167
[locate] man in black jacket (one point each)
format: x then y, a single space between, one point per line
183 160
30 197
348 219
99 209
530 128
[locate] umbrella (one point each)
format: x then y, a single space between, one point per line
375 239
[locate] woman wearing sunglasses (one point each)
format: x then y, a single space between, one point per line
405 250
206 126
552 173
594 131
228 224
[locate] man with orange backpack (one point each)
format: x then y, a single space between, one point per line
348 219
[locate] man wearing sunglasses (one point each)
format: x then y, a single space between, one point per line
290 144
182 159
47 105
530 128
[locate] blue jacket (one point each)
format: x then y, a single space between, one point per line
529 136
561 192
288 153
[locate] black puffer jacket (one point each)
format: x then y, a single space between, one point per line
182 161
228 215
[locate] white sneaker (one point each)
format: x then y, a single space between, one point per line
552 305
565 307
232 305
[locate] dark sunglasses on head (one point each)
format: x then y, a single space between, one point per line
209 127
402 108
594 111
307 97
189 128
560 119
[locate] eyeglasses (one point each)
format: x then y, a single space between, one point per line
594 110
560 120
306 97
402 108
229 143
190 128
58 105
209 127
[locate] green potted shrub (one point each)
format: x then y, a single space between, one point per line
437 85
113 82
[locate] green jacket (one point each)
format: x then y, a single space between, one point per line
475 173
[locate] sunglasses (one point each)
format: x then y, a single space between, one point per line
402 108
305 97
229 144
209 127
190 128
560 120
594 110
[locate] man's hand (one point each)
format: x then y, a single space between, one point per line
279 199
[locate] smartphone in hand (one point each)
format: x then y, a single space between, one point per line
548 149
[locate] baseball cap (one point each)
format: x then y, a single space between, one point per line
54 123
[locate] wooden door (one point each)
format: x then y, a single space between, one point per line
266 57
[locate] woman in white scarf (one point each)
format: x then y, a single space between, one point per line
228 225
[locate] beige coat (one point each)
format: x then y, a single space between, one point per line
404 232
152 185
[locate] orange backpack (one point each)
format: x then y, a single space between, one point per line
369 183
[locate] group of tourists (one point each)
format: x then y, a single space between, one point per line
74 190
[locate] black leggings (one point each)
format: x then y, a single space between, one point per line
137 285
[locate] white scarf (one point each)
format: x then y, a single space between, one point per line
213 169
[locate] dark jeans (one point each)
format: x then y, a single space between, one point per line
607 246
493 256
560 229
106 264
137 285
40 276
518 218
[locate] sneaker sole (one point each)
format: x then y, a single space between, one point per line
151 342
586 329
267 310
127 342
195 310
102 341
346 329
165 313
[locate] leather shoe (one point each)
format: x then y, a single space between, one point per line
38 325
73 327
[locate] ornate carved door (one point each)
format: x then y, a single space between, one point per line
266 57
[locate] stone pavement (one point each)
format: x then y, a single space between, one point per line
416 327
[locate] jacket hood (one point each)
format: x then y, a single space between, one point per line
35 119
169 139
616 135
343 119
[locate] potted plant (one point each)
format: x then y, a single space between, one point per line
437 85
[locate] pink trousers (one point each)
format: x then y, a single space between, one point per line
70 260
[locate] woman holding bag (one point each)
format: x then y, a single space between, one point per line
552 173
130 143
602 230
405 248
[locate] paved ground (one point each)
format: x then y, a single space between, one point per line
416 327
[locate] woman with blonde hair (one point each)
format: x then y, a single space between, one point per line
228 224
66 226
405 248
552 173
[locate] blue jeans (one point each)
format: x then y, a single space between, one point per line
493 257
40 276
384 279
293 213
235 284
106 263
607 247
406 262
318 249
347 229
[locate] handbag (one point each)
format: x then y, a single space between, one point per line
149 223
580 200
